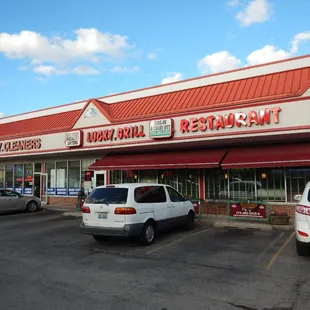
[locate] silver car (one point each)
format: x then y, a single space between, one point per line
13 201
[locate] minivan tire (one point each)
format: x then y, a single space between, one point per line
190 221
147 234
301 248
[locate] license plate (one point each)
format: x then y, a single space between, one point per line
102 215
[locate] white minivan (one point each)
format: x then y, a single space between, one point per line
302 222
135 209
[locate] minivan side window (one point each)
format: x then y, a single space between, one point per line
150 194
174 195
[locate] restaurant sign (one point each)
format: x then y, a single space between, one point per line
230 120
248 210
162 128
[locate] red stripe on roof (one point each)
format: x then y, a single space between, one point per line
43 124
266 87
269 87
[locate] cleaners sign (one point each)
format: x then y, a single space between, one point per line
20 145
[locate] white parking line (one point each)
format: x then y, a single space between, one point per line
178 241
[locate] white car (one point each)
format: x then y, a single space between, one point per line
137 209
302 222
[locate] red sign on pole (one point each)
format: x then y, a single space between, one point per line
248 210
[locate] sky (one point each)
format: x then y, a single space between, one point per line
55 52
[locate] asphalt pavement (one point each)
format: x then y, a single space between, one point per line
45 263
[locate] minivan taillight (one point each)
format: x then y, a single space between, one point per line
303 209
85 209
125 211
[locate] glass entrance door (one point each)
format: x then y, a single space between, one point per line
99 178
37 185
40 186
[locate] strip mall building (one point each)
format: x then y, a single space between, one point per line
238 134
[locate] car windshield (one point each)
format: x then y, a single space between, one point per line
108 196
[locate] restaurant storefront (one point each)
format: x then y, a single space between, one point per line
242 134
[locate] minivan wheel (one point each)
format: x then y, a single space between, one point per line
190 221
32 206
147 235
99 238
301 248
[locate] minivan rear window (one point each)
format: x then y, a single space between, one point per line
108 196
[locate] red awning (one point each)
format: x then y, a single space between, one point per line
161 160
268 156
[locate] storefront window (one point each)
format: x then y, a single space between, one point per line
129 176
168 177
74 174
270 184
115 176
2 176
296 180
28 179
148 176
61 178
38 167
216 184
87 176
18 176
9 176
241 184
188 183
51 177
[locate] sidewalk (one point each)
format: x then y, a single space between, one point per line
221 221
63 208
217 221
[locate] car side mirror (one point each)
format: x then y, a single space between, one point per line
297 197
185 198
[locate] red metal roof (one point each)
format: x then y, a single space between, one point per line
38 125
161 160
261 88
268 87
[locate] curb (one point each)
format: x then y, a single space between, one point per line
248 226
73 213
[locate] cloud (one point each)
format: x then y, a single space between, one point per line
257 11
233 3
268 53
119 69
48 70
87 44
299 38
151 56
217 62
48 55
85 70
172 77
1 114
23 68
224 61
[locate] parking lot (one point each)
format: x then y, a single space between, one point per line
45 263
